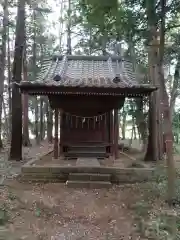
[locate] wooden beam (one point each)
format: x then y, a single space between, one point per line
56 134
116 133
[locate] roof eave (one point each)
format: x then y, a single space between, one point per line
43 89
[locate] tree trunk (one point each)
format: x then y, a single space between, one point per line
156 131
134 129
16 137
37 137
174 91
141 121
123 125
5 119
25 100
9 83
168 135
49 116
69 13
150 153
61 33
3 61
26 140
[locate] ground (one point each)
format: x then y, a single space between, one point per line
53 212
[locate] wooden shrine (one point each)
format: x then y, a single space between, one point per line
86 93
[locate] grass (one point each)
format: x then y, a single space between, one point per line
4 214
4 208
154 218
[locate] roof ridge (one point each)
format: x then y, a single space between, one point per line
89 58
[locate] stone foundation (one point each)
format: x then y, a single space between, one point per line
61 173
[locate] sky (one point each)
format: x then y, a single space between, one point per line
53 19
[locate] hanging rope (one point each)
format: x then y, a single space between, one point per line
100 116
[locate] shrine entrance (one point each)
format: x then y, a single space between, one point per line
85 129
85 136
88 126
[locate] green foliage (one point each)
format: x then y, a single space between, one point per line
141 208
4 217
176 128
159 229
11 196
158 186
38 212
157 224
160 174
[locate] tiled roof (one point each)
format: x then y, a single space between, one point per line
87 71
75 74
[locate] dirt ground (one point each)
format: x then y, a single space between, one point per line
54 212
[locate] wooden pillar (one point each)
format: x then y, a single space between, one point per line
111 132
104 128
61 133
116 133
56 134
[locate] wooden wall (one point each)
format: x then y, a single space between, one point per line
78 129
86 118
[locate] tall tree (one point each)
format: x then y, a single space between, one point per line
3 60
34 60
152 42
9 79
25 97
25 100
69 16
16 137
168 135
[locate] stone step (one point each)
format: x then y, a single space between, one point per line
89 143
87 148
88 184
77 154
87 151
87 162
89 177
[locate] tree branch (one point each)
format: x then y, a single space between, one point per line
172 26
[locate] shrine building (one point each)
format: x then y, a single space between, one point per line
86 94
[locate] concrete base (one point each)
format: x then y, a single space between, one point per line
89 177
85 170
61 173
87 162
88 184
